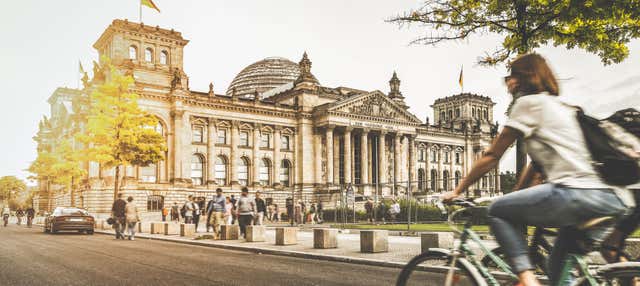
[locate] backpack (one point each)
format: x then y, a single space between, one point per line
614 151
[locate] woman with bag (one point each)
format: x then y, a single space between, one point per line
132 218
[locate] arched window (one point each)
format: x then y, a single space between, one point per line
155 203
285 170
473 112
457 178
133 52
221 171
163 57
486 114
445 180
457 112
450 117
265 172
421 179
442 116
197 163
243 171
434 179
148 55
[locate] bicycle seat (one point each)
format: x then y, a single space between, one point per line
594 222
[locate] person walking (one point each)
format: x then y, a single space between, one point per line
175 212
215 211
197 206
31 213
131 217
303 212
234 210
19 215
246 210
382 212
270 213
320 209
228 211
6 213
188 210
118 214
368 207
260 209
312 213
165 212
394 211
276 213
297 212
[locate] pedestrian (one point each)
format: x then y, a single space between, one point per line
270 213
382 212
132 218
234 210
188 209
118 215
165 212
228 211
394 211
31 213
320 209
6 213
312 213
303 212
175 212
197 206
276 213
260 209
290 210
246 210
368 207
215 211
19 215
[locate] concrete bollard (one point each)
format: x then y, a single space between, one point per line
286 235
229 232
436 240
255 233
187 229
325 238
373 241
171 228
156 228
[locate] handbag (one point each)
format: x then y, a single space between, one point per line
111 220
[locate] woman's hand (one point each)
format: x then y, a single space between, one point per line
449 196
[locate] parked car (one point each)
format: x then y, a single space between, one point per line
69 219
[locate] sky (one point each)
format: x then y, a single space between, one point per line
349 43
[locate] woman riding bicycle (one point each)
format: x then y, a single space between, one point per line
573 193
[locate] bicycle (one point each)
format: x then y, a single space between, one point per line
459 262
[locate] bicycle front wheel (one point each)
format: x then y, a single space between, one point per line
432 268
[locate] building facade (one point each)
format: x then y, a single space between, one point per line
277 129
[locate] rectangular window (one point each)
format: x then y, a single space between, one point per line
222 136
244 138
265 140
434 156
285 142
446 157
197 132
457 158
421 155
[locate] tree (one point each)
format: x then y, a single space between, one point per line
11 186
43 169
597 26
118 133
67 169
507 181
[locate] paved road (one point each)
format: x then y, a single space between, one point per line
30 257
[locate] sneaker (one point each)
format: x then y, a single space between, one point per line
133 238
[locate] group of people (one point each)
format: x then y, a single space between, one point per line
30 213
382 212
302 215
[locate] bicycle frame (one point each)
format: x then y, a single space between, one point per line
577 261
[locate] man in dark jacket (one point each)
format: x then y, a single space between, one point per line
118 214
31 213
261 208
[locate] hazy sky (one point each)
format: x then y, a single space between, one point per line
347 40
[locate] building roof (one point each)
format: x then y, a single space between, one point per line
465 95
264 75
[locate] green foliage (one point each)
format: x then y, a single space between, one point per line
10 187
507 181
600 27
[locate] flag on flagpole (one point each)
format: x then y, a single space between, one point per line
460 81
150 4
80 68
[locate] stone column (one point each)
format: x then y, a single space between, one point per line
396 162
178 126
211 151
317 149
329 138
255 158
382 169
347 155
411 175
336 159
277 137
427 169
441 181
233 161
364 158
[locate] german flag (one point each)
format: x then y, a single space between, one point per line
150 4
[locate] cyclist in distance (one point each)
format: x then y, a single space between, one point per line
573 193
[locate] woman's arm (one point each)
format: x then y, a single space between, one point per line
488 162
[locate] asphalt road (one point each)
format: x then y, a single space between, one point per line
30 257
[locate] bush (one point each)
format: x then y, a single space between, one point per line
329 215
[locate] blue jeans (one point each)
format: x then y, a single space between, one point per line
549 205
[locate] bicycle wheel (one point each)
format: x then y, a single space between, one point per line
621 274
431 268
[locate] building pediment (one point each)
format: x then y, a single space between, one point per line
373 104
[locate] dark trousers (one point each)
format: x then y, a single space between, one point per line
243 221
119 226
196 220
164 218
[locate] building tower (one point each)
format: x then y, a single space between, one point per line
464 111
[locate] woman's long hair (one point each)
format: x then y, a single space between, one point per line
534 75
